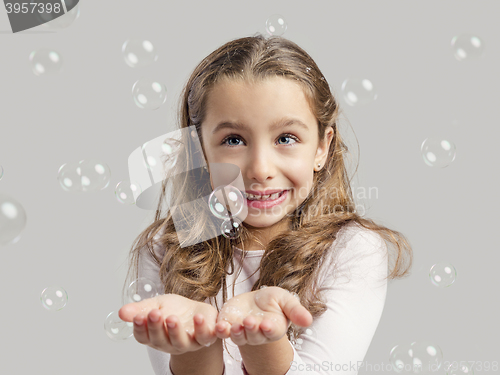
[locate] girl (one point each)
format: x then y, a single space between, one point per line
312 273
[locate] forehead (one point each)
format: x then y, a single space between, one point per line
254 103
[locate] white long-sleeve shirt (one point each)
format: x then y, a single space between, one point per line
338 340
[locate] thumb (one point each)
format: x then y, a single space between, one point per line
294 311
128 311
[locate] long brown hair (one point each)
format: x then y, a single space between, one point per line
291 260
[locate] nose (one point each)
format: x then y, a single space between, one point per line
260 166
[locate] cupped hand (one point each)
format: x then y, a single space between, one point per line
193 323
261 316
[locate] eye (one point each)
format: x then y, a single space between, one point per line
233 136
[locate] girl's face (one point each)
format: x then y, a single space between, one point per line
270 155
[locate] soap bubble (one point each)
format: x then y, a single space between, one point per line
306 334
418 358
169 148
276 25
467 46
438 151
117 329
12 220
230 228
358 92
427 357
225 198
139 52
1 172
149 94
54 298
124 191
455 368
85 175
45 62
95 175
309 333
443 274
141 289
401 358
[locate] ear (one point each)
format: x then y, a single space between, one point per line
323 147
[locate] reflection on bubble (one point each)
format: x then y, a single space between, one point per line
141 289
276 25
438 151
125 190
443 274
12 220
54 298
149 94
117 329
95 175
420 357
138 52
467 46
230 228
45 62
401 358
427 357
459 369
85 175
306 334
167 157
1 172
358 92
225 199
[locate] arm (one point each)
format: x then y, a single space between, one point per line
201 362
204 361
355 298
272 358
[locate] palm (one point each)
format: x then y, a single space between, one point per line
264 315
172 304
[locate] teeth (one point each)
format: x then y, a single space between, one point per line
262 197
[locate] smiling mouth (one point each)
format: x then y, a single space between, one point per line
269 197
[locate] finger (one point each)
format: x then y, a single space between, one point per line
141 330
223 330
156 329
238 334
176 333
253 333
271 330
202 332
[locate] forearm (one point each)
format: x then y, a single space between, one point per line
208 360
271 359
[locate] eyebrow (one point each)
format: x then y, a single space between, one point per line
281 123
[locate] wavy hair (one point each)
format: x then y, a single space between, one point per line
291 260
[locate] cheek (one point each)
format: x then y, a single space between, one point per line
302 180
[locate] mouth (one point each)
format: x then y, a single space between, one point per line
266 198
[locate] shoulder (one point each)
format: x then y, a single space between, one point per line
357 251
353 240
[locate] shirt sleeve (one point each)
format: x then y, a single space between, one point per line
160 361
354 292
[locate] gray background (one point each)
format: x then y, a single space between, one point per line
81 241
